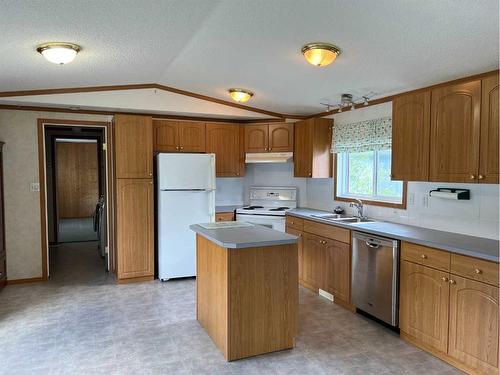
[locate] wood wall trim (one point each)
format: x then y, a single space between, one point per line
26 281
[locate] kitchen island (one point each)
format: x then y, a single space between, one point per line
247 289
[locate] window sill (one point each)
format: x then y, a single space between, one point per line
374 203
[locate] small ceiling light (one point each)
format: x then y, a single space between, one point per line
59 53
240 95
320 54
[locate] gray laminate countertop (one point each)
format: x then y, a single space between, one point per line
231 208
238 238
477 247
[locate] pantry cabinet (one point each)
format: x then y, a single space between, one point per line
489 156
178 136
225 141
274 137
312 157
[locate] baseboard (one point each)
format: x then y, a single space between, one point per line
25 281
135 279
345 305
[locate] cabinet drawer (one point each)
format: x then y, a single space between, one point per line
328 231
294 222
473 268
224 216
425 256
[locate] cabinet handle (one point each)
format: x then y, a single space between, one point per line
452 282
478 271
150 174
182 147
480 177
265 148
445 279
424 256
291 222
472 177
391 175
176 147
310 174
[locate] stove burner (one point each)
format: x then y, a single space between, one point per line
252 207
279 209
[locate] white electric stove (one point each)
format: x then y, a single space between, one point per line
268 206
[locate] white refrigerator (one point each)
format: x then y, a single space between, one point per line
186 195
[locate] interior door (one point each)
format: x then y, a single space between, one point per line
488 165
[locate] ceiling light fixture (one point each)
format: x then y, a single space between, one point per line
320 54
59 53
240 95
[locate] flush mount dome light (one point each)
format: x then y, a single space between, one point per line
240 95
59 53
320 54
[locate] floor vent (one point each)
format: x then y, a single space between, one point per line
325 294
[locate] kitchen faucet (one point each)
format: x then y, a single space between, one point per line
358 204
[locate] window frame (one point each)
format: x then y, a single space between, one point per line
368 202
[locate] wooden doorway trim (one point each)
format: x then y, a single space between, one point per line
41 123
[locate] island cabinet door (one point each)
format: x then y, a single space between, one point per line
337 269
424 304
474 324
299 234
312 257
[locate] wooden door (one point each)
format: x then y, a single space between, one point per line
223 140
165 135
256 138
192 136
298 233
424 304
411 124
135 237
488 164
312 257
337 269
133 146
455 125
473 336
281 137
303 156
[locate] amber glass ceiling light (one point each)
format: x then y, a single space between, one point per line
59 53
320 54
240 95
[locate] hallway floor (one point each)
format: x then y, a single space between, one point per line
82 322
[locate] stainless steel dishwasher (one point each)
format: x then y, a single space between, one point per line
375 272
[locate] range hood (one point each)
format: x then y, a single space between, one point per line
269 157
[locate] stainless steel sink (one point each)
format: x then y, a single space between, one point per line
358 220
334 216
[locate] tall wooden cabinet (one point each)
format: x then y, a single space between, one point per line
312 157
411 123
225 141
178 136
3 254
274 137
133 146
488 159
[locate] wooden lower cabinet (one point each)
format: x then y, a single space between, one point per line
299 234
336 278
224 216
312 258
473 335
135 226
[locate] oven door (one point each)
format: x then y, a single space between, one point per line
273 222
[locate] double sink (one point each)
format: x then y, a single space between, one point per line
343 218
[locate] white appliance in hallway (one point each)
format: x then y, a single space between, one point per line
186 195
268 206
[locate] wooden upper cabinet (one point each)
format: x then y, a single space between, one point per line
192 136
411 123
133 146
424 304
281 137
473 336
135 226
488 164
224 141
312 156
455 130
256 138
165 135
336 269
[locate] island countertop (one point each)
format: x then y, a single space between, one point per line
246 237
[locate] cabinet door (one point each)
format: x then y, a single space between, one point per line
191 136
411 123
312 257
337 269
303 157
133 146
281 137
224 216
455 122
474 324
298 233
223 140
424 304
166 136
488 164
134 217
256 138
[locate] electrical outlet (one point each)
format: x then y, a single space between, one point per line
411 199
34 187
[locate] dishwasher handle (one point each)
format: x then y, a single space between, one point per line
372 245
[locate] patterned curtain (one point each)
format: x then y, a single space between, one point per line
371 135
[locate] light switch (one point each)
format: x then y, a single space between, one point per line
35 187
